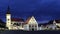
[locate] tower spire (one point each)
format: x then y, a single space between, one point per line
8 10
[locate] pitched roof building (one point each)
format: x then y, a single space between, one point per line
31 20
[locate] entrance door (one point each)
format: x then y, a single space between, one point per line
32 29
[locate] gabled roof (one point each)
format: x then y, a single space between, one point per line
28 20
51 22
17 19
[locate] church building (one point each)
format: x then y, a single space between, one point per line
19 23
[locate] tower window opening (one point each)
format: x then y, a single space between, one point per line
8 19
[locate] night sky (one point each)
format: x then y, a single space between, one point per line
42 10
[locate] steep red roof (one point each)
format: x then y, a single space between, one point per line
17 19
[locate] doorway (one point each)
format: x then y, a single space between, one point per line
32 29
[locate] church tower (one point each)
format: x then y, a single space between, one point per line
8 19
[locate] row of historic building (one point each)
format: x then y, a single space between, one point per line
29 24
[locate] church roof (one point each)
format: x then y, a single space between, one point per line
17 19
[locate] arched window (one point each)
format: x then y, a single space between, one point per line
29 25
35 25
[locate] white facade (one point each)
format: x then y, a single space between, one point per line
17 25
32 24
8 21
